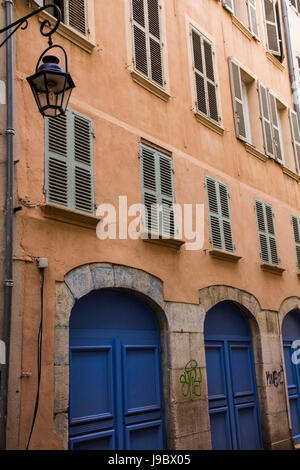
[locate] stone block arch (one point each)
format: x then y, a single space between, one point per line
289 304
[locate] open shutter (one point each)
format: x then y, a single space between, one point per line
210 80
229 5
155 42
253 23
56 161
266 119
266 233
271 27
77 15
296 229
276 129
149 189
167 196
83 163
295 136
219 215
237 100
198 70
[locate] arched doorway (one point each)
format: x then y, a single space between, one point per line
115 373
233 406
290 333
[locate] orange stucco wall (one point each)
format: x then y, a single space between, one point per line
122 113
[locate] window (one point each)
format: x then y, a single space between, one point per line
219 215
296 229
270 123
245 11
69 162
296 5
147 41
295 130
204 76
273 28
266 233
74 13
157 191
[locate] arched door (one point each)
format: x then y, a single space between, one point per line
115 376
233 406
290 333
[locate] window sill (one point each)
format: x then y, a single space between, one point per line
290 173
173 243
256 153
275 61
150 86
209 123
224 256
70 33
272 268
242 27
61 214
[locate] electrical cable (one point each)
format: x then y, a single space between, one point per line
39 357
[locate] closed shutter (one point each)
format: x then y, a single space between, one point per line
69 162
205 78
295 137
271 27
276 129
237 100
253 23
219 215
77 15
296 229
229 5
157 192
147 39
266 233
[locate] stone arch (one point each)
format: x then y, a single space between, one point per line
78 283
289 304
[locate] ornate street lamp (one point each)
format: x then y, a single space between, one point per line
50 84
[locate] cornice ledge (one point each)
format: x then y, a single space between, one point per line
272 268
256 153
242 27
224 255
156 239
275 61
150 86
290 173
208 123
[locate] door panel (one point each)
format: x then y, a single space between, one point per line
293 385
151 432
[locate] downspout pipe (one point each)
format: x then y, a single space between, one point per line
290 58
9 212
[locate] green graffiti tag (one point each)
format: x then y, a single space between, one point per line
191 380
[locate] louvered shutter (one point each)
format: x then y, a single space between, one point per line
271 27
147 39
295 130
253 23
158 192
229 5
219 215
266 119
276 129
296 229
205 79
237 100
76 13
266 233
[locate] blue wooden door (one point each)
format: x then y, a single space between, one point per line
290 333
233 406
115 376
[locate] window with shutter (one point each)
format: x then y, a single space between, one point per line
253 23
295 130
147 41
296 230
204 75
219 215
239 110
270 123
74 13
157 192
266 233
69 162
273 28
245 12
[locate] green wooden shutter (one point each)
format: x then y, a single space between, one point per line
296 229
76 13
294 123
266 119
271 27
229 5
266 233
219 215
157 192
237 100
276 129
253 23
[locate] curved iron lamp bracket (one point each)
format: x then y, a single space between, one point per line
23 24
48 49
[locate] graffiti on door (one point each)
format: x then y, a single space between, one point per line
191 380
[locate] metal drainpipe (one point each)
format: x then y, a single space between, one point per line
8 282
290 58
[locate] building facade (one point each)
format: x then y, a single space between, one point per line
186 340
